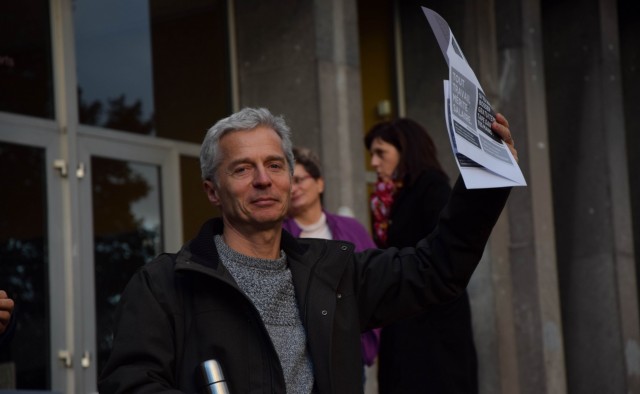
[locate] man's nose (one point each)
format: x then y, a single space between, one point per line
261 177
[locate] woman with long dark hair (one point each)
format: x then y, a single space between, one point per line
434 351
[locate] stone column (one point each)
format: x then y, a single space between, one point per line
514 292
300 59
591 196
536 301
628 12
340 106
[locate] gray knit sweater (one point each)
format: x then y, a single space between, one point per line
269 285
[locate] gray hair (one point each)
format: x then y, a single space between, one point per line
243 120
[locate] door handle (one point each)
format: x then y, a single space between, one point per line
66 358
86 360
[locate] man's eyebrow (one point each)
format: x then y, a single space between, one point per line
239 161
243 160
276 157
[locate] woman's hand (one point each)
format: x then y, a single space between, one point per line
501 126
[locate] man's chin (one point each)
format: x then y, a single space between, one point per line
266 222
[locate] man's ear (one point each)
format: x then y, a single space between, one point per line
212 192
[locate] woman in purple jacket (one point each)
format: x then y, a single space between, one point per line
308 219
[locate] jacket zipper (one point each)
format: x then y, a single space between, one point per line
256 313
306 293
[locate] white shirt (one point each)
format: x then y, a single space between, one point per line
318 229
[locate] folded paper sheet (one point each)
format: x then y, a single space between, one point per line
484 160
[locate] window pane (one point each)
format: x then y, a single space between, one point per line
113 54
127 234
25 58
24 363
156 68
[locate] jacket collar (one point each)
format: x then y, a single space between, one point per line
301 257
202 248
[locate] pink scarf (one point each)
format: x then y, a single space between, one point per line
381 201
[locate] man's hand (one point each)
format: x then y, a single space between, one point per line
501 126
6 308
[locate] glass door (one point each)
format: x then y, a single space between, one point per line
103 106
128 214
31 257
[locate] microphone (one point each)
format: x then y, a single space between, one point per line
211 379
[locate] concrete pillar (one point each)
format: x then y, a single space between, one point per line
340 106
490 288
300 59
629 28
591 196
424 69
514 292
276 63
536 301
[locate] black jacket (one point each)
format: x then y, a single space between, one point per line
434 351
183 309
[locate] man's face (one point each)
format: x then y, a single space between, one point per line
253 180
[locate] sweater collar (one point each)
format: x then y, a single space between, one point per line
202 248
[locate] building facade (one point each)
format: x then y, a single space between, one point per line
103 106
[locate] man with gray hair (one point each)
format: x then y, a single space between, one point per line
279 314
